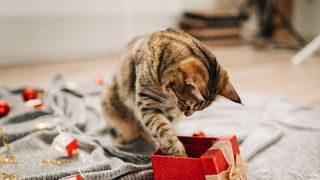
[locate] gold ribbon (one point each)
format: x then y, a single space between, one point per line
237 168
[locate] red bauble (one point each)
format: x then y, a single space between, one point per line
199 134
99 80
29 93
4 108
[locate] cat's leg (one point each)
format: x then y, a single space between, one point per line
159 127
127 131
119 117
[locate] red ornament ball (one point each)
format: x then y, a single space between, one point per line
4 108
199 134
29 93
99 80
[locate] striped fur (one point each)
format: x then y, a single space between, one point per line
162 76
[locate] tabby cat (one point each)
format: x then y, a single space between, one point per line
162 76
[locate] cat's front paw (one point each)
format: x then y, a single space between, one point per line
177 150
182 154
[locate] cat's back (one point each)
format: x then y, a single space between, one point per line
152 46
148 57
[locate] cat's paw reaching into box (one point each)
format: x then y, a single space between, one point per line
176 149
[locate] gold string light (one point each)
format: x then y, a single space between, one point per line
4 143
8 176
56 161
5 159
2 139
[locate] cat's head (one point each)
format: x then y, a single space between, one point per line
199 78
194 87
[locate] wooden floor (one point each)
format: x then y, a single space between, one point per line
265 71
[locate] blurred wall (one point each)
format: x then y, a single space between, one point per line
50 30
47 30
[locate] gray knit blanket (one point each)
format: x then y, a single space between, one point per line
279 139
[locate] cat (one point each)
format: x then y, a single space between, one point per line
162 76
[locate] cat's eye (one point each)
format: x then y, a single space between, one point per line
183 104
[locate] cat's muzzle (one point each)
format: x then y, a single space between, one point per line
188 112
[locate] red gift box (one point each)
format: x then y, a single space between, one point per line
206 159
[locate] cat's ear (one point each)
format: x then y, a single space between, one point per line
229 92
198 87
226 88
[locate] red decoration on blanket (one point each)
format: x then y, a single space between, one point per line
73 177
99 80
65 145
198 134
4 108
208 158
34 103
29 93
33 98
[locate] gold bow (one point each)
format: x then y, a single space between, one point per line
237 169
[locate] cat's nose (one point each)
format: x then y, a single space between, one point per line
188 112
